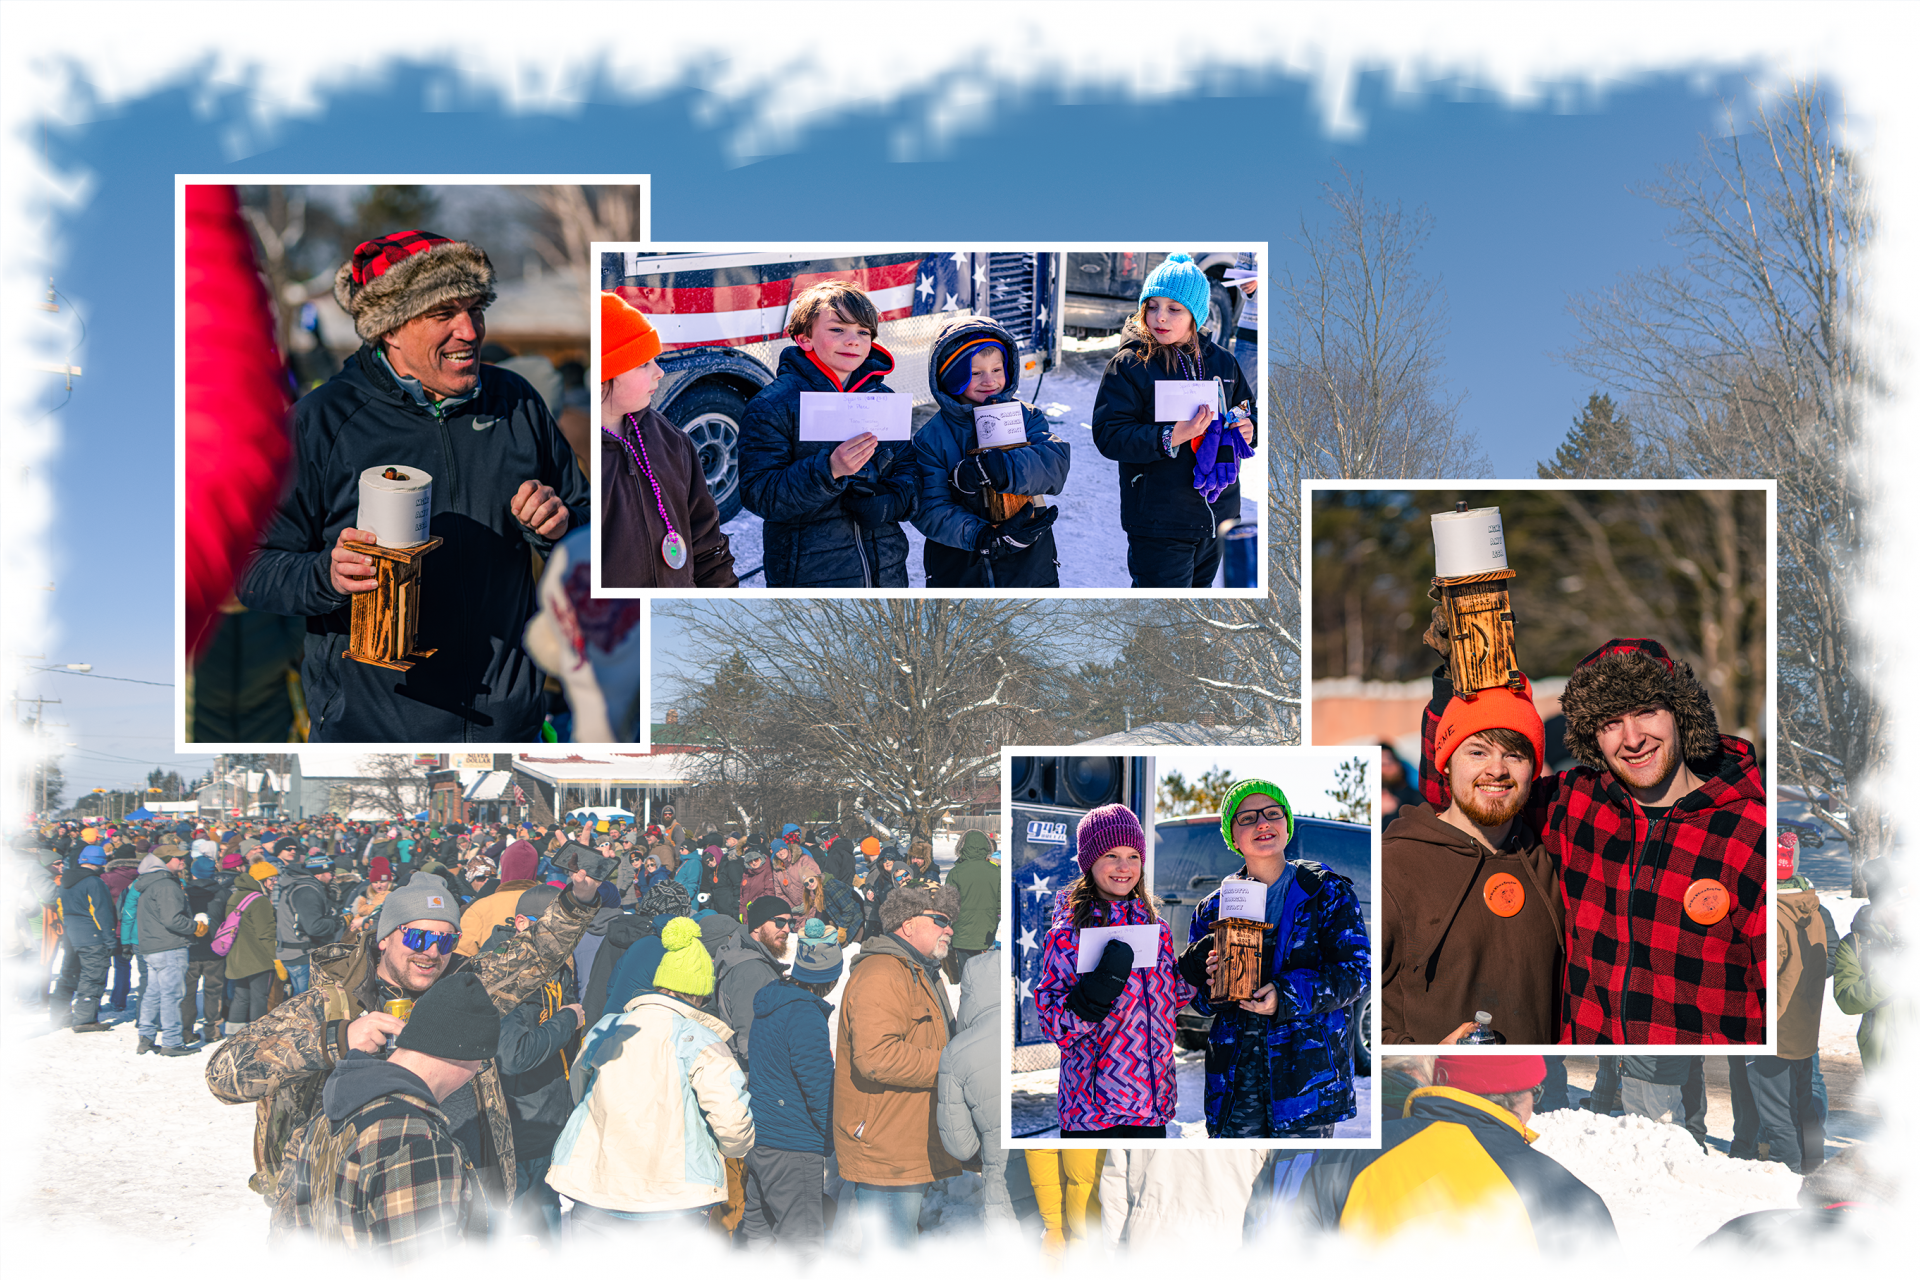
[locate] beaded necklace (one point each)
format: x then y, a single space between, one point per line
673 548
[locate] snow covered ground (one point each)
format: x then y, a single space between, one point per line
1093 551
1664 1192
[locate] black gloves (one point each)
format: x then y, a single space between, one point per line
1193 962
1093 996
1017 533
990 469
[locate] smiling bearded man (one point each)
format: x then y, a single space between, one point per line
416 397
1660 838
1471 917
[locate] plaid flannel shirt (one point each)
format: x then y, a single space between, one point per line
400 1185
1639 969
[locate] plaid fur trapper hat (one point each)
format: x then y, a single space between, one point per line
1623 674
391 280
910 900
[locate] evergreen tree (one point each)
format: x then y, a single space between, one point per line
1599 447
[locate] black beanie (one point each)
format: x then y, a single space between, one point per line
455 1019
765 908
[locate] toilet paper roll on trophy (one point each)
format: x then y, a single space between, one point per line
396 504
1470 583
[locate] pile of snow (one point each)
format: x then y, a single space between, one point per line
1664 1192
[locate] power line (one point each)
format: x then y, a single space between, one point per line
62 671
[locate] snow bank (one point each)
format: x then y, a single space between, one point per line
1664 1192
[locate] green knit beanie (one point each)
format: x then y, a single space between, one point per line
1241 790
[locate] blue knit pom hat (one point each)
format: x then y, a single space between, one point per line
1178 278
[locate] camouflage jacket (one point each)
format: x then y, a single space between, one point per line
281 1061
389 1176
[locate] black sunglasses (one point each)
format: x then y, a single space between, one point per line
939 918
1251 816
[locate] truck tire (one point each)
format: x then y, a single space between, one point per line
1222 314
710 415
1363 1042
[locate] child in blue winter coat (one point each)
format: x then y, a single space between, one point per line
1179 480
974 363
832 511
1114 1023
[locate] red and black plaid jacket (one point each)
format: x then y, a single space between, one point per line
1639 970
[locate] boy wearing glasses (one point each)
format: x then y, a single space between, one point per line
1280 1065
360 998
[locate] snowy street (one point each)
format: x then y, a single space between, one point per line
1093 551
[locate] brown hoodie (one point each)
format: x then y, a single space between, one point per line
1446 954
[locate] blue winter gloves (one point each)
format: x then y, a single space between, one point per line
1217 458
1017 533
1095 994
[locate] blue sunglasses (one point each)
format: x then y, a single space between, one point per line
429 940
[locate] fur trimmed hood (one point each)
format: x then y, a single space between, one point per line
413 286
1623 674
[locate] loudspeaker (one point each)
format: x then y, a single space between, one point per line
1080 782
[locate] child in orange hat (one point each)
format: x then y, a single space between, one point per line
660 526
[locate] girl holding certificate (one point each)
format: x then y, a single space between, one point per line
1179 474
1114 1020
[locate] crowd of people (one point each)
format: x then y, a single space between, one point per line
453 1031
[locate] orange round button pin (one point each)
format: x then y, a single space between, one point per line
1706 901
1505 895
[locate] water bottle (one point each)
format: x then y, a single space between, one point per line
1483 1032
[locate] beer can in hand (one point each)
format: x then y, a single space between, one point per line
401 1009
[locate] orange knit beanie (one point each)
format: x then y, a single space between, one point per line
1497 708
627 340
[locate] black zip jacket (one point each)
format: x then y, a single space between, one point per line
1157 497
823 532
477 588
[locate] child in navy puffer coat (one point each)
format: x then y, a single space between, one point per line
974 363
1179 480
1114 1023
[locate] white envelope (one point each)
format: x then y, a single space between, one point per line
831 415
1242 900
999 424
1143 938
1176 401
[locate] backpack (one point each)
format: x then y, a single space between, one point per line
286 923
230 927
129 916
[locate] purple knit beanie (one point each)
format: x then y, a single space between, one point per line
1108 827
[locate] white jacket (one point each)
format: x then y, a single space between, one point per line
1163 1198
658 1101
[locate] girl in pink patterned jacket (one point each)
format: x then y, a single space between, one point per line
1113 1023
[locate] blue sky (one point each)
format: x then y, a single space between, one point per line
1528 207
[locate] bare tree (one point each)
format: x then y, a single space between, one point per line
1356 350
902 704
389 784
1748 358
577 216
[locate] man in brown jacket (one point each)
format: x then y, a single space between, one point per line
1773 1098
1472 914
894 1021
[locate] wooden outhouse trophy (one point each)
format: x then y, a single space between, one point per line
1239 936
395 505
1001 427
1471 584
